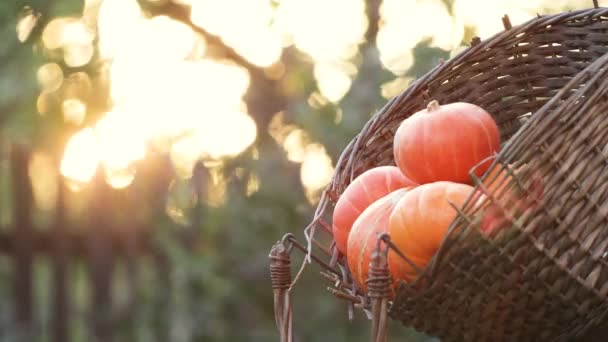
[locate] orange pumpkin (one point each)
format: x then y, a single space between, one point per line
419 222
363 237
370 186
443 143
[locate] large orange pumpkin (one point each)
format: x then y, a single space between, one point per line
419 223
363 237
368 187
443 143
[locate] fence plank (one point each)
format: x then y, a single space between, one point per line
101 260
60 307
22 249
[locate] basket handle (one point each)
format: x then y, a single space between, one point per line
280 274
379 286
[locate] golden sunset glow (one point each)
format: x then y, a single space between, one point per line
295 144
74 110
119 178
78 55
167 92
50 77
52 35
334 79
247 29
81 157
316 167
314 28
395 87
519 11
159 76
326 30
43 174
118 143
408 22
26 22
117 23
316 171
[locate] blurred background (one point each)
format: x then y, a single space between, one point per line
152 151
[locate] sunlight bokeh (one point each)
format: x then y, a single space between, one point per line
50 77
116 22
26 21
334 79
326 30
77 85
163 89
119 145
295 144
159 76
316 171
111 144
316 166
44 178
406 23
52 35
74 110
178 95
80 158
490 23
168 89
242 24
314 28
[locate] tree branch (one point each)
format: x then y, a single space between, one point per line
264 97
373 19
182 14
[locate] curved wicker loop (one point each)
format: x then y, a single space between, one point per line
544 276
379 285
280 275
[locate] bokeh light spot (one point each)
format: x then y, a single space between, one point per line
316 171
43 175
74 111
81 157
50 77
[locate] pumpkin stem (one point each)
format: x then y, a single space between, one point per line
432 106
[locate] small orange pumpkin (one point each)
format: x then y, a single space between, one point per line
419 223
363 237
368 187
443 143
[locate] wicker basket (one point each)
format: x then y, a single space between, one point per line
546 277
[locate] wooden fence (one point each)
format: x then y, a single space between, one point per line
99 246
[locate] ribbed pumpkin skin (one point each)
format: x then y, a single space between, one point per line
419 222
364 234
443 143
368 187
